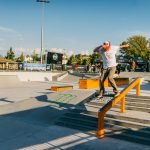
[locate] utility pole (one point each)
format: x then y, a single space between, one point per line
43 2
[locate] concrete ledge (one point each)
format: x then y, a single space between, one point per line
120 81
59 77
94 83
89 83
61 88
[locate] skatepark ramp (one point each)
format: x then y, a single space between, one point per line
28 76
9 79
133 125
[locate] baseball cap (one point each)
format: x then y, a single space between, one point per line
107 43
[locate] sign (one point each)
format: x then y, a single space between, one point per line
54 58
33 66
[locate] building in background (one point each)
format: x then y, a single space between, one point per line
28 58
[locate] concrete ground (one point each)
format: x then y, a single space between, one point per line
27 120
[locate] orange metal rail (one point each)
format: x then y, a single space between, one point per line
114 101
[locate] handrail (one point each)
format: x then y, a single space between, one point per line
111 103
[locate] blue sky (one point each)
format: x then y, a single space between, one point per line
78 25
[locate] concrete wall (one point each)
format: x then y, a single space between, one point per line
31 76
59 77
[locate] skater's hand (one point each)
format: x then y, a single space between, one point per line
124 46
97 49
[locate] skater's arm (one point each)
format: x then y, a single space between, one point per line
97 49
124 46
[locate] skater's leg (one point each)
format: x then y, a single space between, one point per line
104 75
112 81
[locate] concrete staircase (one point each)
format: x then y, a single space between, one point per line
133 125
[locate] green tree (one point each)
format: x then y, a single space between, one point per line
138 46
10 54
87 61
21 58
79 59
72 60
35 56
95 57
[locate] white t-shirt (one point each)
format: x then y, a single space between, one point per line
109 57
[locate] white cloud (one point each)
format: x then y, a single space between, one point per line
143 33
3 29
9 33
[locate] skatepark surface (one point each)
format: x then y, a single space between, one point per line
28 111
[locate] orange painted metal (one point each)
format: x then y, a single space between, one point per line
138 88
122 105
94 83
90 83
100 125
63 88
120 81
110 104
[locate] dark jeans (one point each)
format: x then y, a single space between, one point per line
109 72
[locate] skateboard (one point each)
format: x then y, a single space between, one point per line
106 97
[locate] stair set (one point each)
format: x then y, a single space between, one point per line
126 117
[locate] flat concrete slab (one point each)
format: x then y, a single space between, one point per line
16 134
18 91
73 97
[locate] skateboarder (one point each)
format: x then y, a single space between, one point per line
108 53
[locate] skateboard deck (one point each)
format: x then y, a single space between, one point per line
105 98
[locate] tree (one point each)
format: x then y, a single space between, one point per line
72 60
79 59
35 56
21 58
138 47
10 54
95 57
87 61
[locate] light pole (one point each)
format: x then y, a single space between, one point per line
42 28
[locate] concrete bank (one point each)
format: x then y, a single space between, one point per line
28 76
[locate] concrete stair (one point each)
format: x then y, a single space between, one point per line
133 125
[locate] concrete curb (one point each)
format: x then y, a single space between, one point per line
59 77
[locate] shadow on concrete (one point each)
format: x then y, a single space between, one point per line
140 136
64 105
124 134
46 79
146 86
34 129
5 100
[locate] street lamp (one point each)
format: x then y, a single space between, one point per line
42 28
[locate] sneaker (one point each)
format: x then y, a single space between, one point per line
116 94
115 91
100 95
